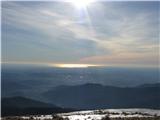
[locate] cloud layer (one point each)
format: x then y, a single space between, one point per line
108 33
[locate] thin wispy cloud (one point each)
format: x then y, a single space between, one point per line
57 32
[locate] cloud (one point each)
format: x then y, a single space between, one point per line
118 32
124 59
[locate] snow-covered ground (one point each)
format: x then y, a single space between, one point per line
98 114
112 113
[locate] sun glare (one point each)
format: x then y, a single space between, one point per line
73 65
81 3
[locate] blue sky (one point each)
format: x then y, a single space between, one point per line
103 33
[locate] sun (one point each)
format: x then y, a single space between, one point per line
73 65
81 3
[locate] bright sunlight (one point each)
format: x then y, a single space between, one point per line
81 3
74 65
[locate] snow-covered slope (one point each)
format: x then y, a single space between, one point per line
112 113
99 114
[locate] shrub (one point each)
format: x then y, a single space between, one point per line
106 118
56 117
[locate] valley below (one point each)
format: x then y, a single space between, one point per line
93 93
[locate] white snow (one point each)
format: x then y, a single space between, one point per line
99 114
84 117
113 113
38 117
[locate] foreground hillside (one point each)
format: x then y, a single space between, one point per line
107 114
17 106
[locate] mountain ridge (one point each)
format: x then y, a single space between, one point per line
99 96
13 106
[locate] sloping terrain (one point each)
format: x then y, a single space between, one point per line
25 106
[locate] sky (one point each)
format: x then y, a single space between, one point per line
101 33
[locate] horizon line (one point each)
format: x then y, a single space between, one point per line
79 65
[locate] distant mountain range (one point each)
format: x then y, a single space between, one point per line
25 106
85 96
95 96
